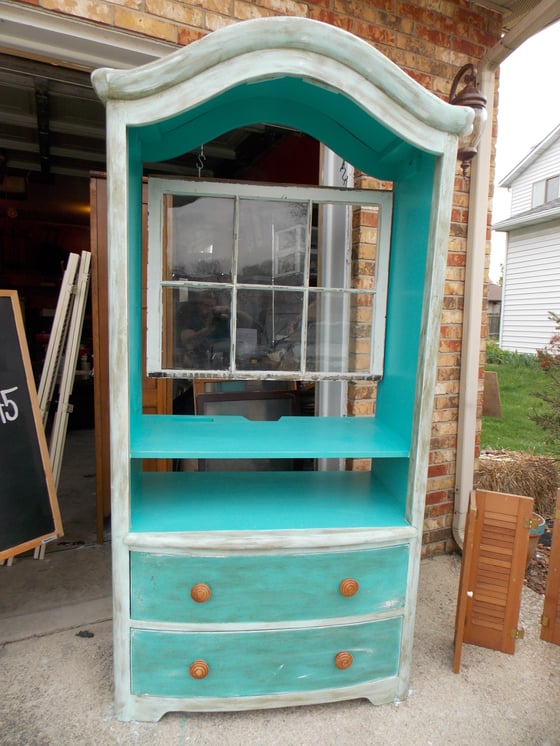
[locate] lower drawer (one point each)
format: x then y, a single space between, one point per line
237 664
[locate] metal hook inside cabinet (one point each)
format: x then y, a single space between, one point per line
344 172
200 161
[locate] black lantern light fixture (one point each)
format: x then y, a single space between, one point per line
471 96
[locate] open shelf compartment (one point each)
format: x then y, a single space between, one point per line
261 501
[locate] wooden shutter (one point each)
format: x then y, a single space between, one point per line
550 629
492 573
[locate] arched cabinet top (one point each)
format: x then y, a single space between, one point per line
287 71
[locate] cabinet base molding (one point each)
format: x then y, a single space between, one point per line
151 709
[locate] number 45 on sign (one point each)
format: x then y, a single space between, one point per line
8 408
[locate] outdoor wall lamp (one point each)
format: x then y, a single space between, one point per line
471 96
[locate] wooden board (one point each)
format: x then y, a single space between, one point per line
57 337
494 559
550 623
29 512
491 404
68 372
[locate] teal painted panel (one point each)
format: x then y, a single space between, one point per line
184 436
410 266
267 588
245 664
254 501
337 121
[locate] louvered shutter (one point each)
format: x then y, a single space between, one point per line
494 560
550 629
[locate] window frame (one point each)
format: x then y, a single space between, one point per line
160 188
541 191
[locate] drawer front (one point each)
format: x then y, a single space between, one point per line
267 588
254 663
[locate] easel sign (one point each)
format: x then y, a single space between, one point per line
29 512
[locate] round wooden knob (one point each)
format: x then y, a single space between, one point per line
343 659
199 669
200 593
349 587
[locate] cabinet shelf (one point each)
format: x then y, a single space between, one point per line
184 436
239 501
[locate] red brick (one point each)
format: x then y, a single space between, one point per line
456 260
373 33
144 24
187 36
468 48
436 37
326 16
443 508
92 10
433 498
174 11
438 470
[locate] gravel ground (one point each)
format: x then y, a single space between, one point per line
56 689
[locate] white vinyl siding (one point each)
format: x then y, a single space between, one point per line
547 165
531 288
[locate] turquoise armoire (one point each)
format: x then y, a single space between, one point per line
248 589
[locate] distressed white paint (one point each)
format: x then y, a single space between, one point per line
246 542
284 46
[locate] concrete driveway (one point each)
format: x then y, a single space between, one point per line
56 686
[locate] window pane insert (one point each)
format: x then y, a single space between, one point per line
317 349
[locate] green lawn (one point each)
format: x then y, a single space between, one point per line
515 431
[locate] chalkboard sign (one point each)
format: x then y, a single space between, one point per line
29 511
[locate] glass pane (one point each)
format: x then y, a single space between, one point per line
361 332
328 346
274 341
328 247
199 240
272 242
552 188
326 321
201 323
539 188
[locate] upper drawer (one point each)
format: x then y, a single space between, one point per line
267 588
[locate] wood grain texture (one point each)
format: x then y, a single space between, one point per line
494 570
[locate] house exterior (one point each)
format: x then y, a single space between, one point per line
430 42
531 286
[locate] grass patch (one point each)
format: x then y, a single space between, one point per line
518 379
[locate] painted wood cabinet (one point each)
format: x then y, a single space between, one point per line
240 590
156 392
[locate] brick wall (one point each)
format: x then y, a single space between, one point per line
428 39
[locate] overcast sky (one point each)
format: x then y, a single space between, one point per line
529 109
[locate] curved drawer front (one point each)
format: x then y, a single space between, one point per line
267 588
174 664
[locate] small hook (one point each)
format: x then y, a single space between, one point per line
200 161
344 171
